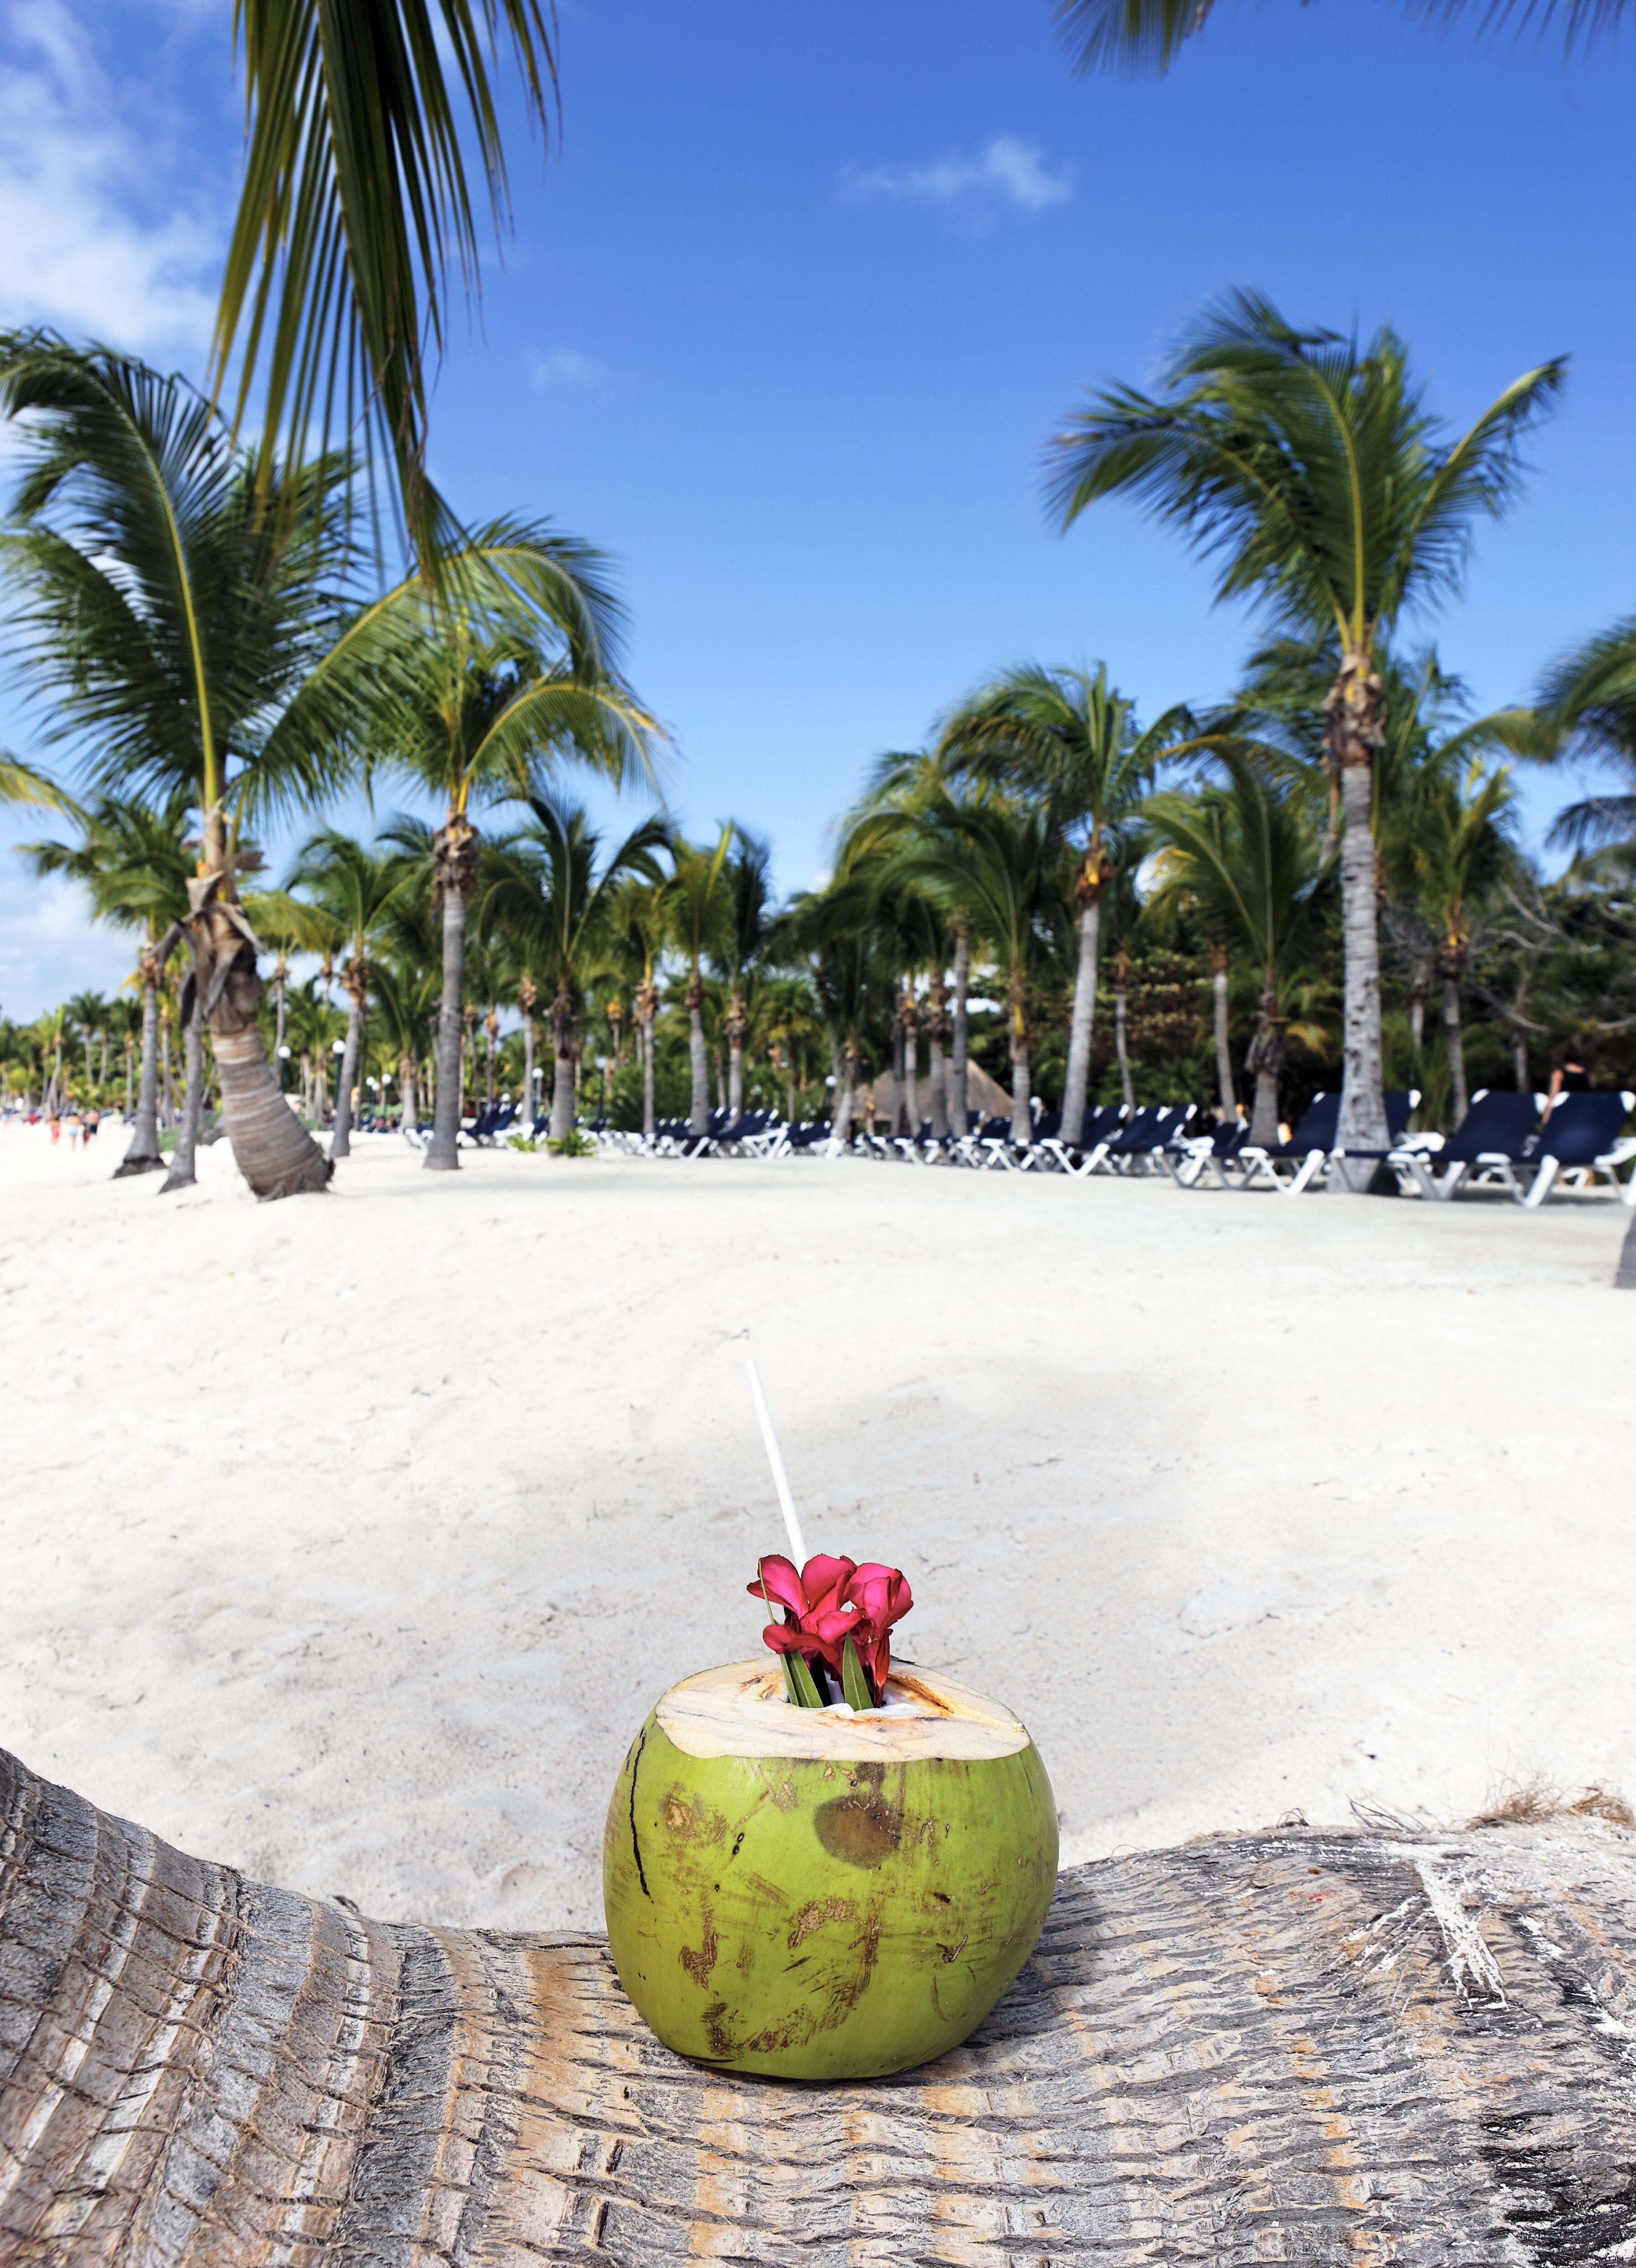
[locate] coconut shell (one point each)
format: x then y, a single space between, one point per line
817 1895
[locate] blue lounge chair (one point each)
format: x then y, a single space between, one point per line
1583 1136
1497 1131
1290 1166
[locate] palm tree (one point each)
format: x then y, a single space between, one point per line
698 904
132 861
359 890
405 991
641 918
1245 858
741 939
999 868
1065 736
543 889
194 644
495 702
1454 855
1316 474
1146 34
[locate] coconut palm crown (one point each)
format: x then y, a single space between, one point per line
1310 471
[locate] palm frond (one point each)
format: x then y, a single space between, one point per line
356 204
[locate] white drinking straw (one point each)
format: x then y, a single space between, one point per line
797 1546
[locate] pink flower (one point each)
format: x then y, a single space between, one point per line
829 1601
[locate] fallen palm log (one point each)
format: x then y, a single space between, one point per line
1299 2045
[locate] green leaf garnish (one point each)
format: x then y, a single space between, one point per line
854 1685
799 1679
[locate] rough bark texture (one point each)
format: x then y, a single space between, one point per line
454 865
1454 1041
1300 2046
698 1056
1355 731
1076 1083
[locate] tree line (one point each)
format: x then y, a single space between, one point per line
1317 871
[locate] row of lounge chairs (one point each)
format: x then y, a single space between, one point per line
1500 1144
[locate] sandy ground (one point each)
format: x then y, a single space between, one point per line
349 1539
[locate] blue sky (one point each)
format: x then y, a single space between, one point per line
792 306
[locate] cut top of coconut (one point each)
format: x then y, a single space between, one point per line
740 1711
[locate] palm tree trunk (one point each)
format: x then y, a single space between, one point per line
1021 1113
527 1113
1224 1053
127 1077
1264 1061
1119 1046
103 1079
957 1108
938 1082
1076 1084
1455 1040
143 1157
181 1174
735 1080
649 1122
1357 731
911 1079
443 1154
698 1119
1519 1055
845 1094
895 1114
562 1093
341 1140
409 1108
565 1034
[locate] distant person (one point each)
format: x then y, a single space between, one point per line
1569 1077
88 1126
55 1127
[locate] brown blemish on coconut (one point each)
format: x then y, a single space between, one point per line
815 1914
698 1965
860 1831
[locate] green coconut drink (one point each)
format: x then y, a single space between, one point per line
819 1893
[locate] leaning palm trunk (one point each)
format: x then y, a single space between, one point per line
1455 1040
271 1148
454 866
143 1157
957 1060
1356 730
1224 1053
1077 1083
181 1174
698 1117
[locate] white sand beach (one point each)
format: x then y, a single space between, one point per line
349 1539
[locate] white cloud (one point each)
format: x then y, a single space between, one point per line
91 241
50 945
563 367
1008 173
